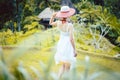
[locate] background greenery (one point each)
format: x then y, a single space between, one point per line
27 50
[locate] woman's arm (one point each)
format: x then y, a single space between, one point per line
72 40
51 22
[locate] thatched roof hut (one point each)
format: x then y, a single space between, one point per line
45 16
46 13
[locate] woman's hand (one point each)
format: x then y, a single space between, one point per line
54 14
75 53
51 22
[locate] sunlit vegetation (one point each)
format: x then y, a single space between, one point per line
27 49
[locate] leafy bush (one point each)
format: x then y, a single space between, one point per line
32 22
10 38
87 41
12 68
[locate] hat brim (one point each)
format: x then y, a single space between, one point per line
65 14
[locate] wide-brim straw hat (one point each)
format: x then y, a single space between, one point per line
65 12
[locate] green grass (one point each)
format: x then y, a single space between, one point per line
33 57
38 52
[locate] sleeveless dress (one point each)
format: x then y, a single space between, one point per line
65 51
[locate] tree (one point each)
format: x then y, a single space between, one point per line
100 19
19 11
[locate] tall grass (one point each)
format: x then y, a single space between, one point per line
90 71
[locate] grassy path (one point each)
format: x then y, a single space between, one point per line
34 57
31 55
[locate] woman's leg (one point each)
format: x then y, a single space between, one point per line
61 71
67 67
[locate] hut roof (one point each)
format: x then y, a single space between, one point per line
46 13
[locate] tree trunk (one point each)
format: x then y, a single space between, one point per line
19 26
18 9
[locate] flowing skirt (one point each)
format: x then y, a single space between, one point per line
65 51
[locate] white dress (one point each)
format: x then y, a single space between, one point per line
65 51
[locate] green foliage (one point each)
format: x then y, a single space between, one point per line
39 67
82 5
31 7
32 22
74 18
10 38
55 6
6 38
105 22
117 49
113 6
20 63
118 39
92 42
30 19
16 12
12 68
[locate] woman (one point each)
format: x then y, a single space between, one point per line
66 52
